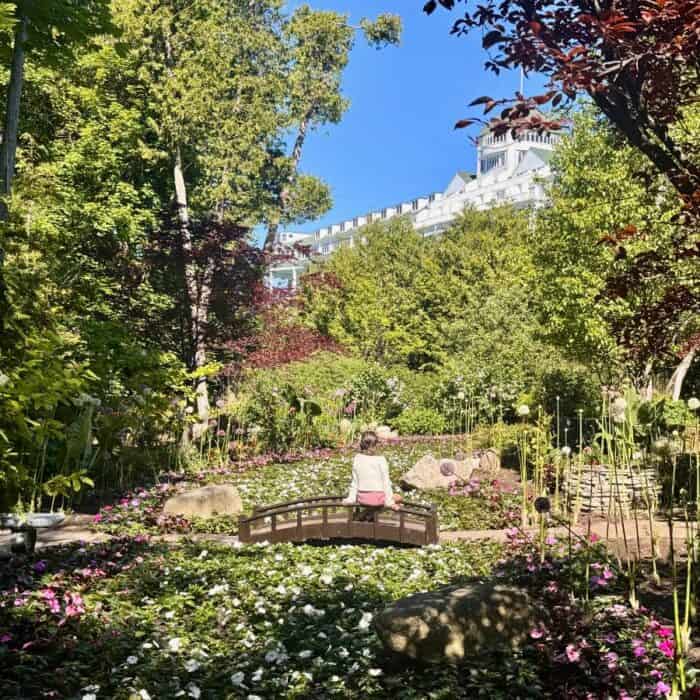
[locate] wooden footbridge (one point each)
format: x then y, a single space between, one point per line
328 518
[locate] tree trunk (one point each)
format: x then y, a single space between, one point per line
273 228
675 384
8 148
198 294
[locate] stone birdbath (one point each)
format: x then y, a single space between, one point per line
24 527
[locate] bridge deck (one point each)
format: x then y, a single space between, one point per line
326 518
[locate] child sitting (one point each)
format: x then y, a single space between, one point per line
371 484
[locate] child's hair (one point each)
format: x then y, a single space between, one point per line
368 441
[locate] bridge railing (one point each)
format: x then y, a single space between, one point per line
327 517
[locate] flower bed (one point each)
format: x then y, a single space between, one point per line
132 619
484 507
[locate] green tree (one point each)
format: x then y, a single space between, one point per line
221 135
319 44
592 304
46 30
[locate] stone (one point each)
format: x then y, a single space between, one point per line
206 502
384 432
430 473
458 621
489 459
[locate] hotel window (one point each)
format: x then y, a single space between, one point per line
384 212
342 227
431 198
414 205
355 222
497 160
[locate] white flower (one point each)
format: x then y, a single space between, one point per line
175 644
189 410
237 678
305 654
326 579
4 379
306 571
203 554
565 451
257 675
169 615
254 697
693 403
363 624
523 410
618 408
460 395
193 691
191 665
89 696
219 588
374 672
131 660
93 688
144 694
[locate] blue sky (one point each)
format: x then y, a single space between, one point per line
397 139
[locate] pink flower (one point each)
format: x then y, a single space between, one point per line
97 518
665 632
639 651
5 638
667 648
536 633
594 537
662 688
607 574
611 659
550 540
572 653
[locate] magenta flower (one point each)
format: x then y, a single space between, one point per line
665 632
40 566
5 638
611 659
536 633
97 518
662 688
667 648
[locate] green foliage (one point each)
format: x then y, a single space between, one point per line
600 190
420 421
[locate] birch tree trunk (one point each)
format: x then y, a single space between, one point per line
8 148
675 384
273 228
198 293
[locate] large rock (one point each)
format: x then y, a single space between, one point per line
454 622
430 473
205 502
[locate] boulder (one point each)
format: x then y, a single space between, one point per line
489 459
458 621
205 502
431 473
384 432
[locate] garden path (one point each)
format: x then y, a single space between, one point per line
77 528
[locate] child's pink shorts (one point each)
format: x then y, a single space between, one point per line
371 498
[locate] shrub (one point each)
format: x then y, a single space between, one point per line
420 421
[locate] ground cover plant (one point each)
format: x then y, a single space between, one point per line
479 505
135 619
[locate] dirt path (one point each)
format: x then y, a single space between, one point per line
619 537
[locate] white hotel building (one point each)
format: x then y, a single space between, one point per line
509 171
